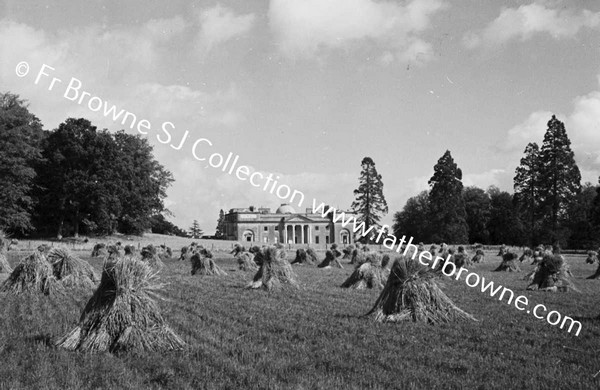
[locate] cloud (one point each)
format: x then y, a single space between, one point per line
526 21
485 179
583 129
305 29
220 24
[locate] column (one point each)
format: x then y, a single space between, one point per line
302 234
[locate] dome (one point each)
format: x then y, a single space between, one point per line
285 208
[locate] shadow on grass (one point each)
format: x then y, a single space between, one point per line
44 339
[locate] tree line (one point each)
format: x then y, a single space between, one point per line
549 205
77 179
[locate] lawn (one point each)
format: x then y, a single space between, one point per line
314 338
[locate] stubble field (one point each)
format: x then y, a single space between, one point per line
314 338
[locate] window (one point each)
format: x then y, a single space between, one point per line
265 239
266 228
327 240
316 228
316 239
276 228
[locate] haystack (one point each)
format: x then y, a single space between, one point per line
99 250
122 314
551 275
33 275
246 261
129 251
368 272
150 255
592 257
307 256
164 252
502 250
330 260
385 261
411 294
479 256
275 271
538 255
203 264
335 251
347 251
4 247
460 258
509 263
237 249
70 270
526 256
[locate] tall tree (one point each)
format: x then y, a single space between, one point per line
560 179
20 136
527 191
412 221
369 203
220 232
478 209
447 208
581 229
504 224
195 230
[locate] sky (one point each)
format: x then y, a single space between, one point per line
305 89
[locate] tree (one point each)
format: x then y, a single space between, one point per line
369 203
478 212
560 179
504 224
527 191
20 137
447 209
220 232
579 223
160 225
98 182
195 231
412 221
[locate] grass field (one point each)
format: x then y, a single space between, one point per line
312 339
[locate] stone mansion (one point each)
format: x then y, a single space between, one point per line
285 225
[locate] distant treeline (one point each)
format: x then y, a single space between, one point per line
77 179
549 204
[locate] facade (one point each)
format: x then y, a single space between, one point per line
285 225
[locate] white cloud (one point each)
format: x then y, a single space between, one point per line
531 130
485 179
528 20
583 129
220 24
306 28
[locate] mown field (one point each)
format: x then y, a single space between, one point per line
314 338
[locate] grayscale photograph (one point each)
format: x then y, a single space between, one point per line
299 194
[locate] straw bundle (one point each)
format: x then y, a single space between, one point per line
348 252
99 250
203 264
307 256
246 261
411 294
4 247
33 275
368 273
71 271
479 256
460 258
509 263
330 259
164 252
122 314
275 271
237 249
502 251
592 257
150 255
526 256
385 261
551 275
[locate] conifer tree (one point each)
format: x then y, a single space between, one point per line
220 232
560 179
369 203
527 190
447 208
195 230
